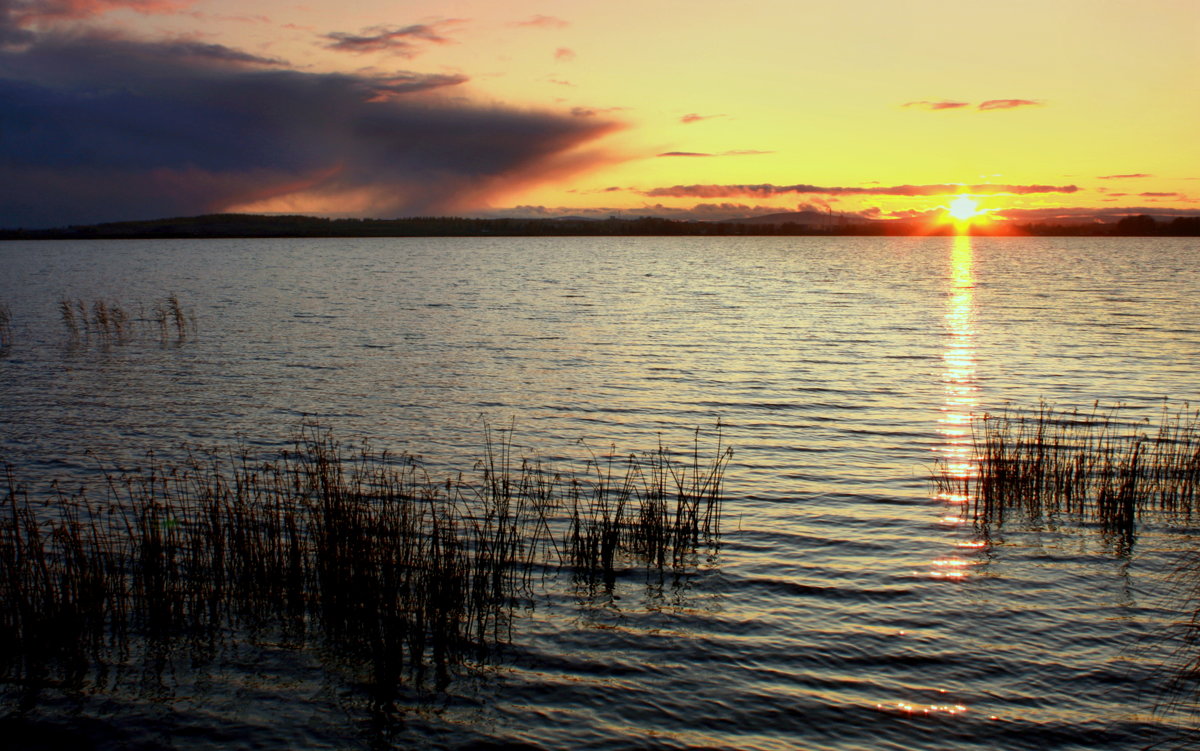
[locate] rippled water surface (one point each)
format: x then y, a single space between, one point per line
849 607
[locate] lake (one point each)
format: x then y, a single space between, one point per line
848 607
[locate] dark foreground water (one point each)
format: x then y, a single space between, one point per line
849 606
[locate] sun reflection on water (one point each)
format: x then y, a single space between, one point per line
958 372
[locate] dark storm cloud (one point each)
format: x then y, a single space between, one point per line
766 189
97 128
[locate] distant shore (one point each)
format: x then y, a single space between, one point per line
252 225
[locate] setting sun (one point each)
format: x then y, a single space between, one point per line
964 208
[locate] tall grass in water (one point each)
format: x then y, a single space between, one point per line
393 571
1094 465
5 326
110 322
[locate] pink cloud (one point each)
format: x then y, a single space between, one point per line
542 22
1124 177
692 117
1007 104
766 189
934 106
51 10
564 54
737 152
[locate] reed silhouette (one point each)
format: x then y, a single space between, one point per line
400 575
5 326
1092 466
109 322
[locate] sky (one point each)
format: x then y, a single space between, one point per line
1046 110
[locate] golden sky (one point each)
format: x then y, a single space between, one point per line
690 109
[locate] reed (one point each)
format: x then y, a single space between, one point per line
110 322
1095 466
5 326
393 571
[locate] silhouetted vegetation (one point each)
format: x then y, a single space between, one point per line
250 225
353 550
111 323
5 326
1094 467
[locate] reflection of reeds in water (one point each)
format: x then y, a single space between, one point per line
390 569
1180 690
5 326
1094 466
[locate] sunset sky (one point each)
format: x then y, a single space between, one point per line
133 109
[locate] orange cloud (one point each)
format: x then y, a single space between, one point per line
934 106
1007 104
692 117
1124 177
564 54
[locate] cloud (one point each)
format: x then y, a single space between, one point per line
30 12
711 212
692 117
594 111
1161 195
737 152
1124 177
1088 214
101 128
564 54
403 41
543 22
934 106
766 189
1007 104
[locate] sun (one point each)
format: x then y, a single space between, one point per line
964 208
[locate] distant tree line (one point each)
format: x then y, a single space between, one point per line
253 225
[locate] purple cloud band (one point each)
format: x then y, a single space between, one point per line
766 189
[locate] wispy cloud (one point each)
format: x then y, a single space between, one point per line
943 104
1124 177
594 111
767 189
990 104
1161 195
1007 104
564 54
693 117
403 41
736 152
25 12
543 22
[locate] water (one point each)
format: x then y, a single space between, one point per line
849 607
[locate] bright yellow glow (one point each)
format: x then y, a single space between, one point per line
964 208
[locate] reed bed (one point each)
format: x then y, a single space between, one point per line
5 326
359 548
110 322
1095 466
